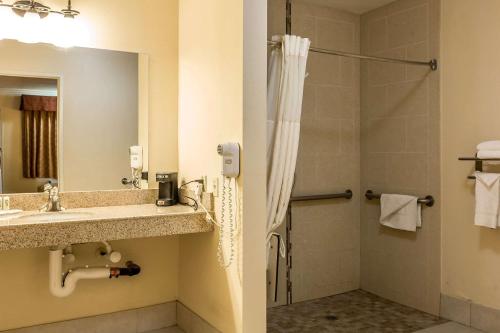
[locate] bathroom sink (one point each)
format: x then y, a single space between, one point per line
55 216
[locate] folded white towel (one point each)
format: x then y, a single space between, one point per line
401 212
487 199
488 154
489 145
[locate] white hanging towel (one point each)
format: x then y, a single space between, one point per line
489 145
487 199
401 212
488 154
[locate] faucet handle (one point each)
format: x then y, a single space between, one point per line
47 187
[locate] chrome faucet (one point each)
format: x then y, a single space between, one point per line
53 204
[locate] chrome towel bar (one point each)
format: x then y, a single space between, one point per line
478 163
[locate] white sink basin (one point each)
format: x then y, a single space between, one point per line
55 216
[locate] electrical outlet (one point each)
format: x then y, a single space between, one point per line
205 184
215 186
6 203
197 189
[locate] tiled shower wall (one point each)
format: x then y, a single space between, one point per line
400 151
326 235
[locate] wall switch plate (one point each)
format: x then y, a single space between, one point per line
207 199
205 183
5 203
215 186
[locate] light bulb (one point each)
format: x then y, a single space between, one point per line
3 22
65 34
54 28
9 23
31 28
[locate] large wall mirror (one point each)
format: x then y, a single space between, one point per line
69 116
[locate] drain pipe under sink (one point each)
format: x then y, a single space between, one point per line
63 285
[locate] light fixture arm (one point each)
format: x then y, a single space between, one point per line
69 12
21 7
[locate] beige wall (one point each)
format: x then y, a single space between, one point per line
26 299
254 165
470 74
25 296
210 113
400 151
222 99
98 109
325 235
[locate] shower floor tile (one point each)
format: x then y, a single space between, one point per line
449 328
356 311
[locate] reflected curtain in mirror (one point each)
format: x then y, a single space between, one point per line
39 136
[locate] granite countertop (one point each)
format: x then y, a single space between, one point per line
84 225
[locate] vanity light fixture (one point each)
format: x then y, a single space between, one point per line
22 7
34 22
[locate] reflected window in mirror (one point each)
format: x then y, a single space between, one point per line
28 133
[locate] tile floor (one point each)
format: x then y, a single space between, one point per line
449 328
356 311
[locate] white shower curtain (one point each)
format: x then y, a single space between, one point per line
285 88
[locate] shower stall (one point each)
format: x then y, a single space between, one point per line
370 122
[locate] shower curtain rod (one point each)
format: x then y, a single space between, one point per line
433 64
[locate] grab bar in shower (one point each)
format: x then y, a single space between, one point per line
346 195
428 200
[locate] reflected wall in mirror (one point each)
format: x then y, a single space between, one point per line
69 116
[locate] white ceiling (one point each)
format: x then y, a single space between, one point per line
353 6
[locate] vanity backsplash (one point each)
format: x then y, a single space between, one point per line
34 201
